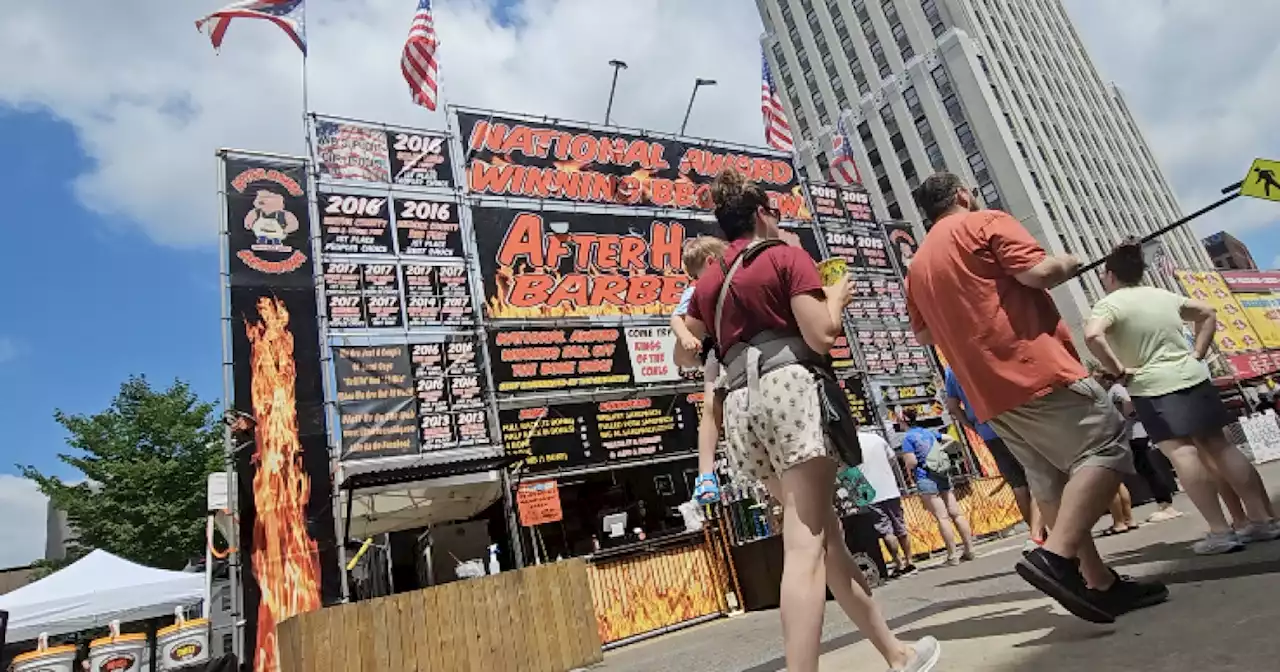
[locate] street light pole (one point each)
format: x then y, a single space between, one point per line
696 84
617 65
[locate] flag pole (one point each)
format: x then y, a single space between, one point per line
306 106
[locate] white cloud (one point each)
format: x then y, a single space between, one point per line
9 349
22 527
1201 80
151 102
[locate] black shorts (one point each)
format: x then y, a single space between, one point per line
890 520
1009 466
1195 411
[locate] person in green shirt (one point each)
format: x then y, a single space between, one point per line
1136 334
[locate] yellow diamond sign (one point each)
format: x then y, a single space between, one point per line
1263 180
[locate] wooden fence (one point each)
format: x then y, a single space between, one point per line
538 619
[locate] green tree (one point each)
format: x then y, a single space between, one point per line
145 460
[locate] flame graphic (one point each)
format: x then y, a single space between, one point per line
285 558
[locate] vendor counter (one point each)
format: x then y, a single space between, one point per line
649 587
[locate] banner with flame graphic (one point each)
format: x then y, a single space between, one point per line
510 156
542 264
288 548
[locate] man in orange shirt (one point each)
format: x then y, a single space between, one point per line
978 290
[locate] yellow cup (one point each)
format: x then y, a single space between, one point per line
832 270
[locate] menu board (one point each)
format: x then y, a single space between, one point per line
362 295
861 247
428 227
574 435
354 224
436 293
376 400
450 394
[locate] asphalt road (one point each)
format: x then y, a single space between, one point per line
1221 616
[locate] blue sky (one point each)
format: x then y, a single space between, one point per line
88 299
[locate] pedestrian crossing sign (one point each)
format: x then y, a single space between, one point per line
1263 180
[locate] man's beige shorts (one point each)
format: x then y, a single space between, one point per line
1070 428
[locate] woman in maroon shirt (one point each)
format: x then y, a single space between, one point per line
775 427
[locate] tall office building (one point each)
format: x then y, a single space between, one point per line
1000 92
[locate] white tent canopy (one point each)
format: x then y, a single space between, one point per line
95 590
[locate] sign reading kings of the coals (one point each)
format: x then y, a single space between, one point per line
578 434
539 264
508 156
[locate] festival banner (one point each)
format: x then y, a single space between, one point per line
362 295
428 227
451 395
287 545
267 224
552 359
857 205
862 248
1263 313
579 434
436 294
1234 335
354 224
376 400
372 153
347 151
1252 281
826 206
543 264
508 156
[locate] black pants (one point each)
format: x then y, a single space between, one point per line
1159 480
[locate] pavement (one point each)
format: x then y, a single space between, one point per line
1222 615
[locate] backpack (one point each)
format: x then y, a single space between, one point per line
938 460
861 492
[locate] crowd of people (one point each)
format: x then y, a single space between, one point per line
761 321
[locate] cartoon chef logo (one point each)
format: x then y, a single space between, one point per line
276 249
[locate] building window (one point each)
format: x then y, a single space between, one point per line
886 187
931 13
864 132
990 196
909 172
873 157
924 130
934 152
877 54
895 211
228 644
952 105
979 167
912 99
967 140
942 81
225 599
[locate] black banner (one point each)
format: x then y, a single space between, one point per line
354 224
828 208
362 295
857 206
450 391
574 435
802 235
540 264
507 156
269 233
436 294
855 389
428 227
550 359
890 351
376 400
352 151
420 159
902 242
861 247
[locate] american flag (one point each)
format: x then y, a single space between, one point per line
418 63
844 170
284 13
776 130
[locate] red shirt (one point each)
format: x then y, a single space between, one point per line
759 298
1005 341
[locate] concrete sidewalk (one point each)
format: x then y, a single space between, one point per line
1222 616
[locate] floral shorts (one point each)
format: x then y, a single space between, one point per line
781 428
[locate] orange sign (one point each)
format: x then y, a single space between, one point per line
539 503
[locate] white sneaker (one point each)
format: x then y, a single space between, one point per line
927 651
1164 514
1255 532
1216 544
